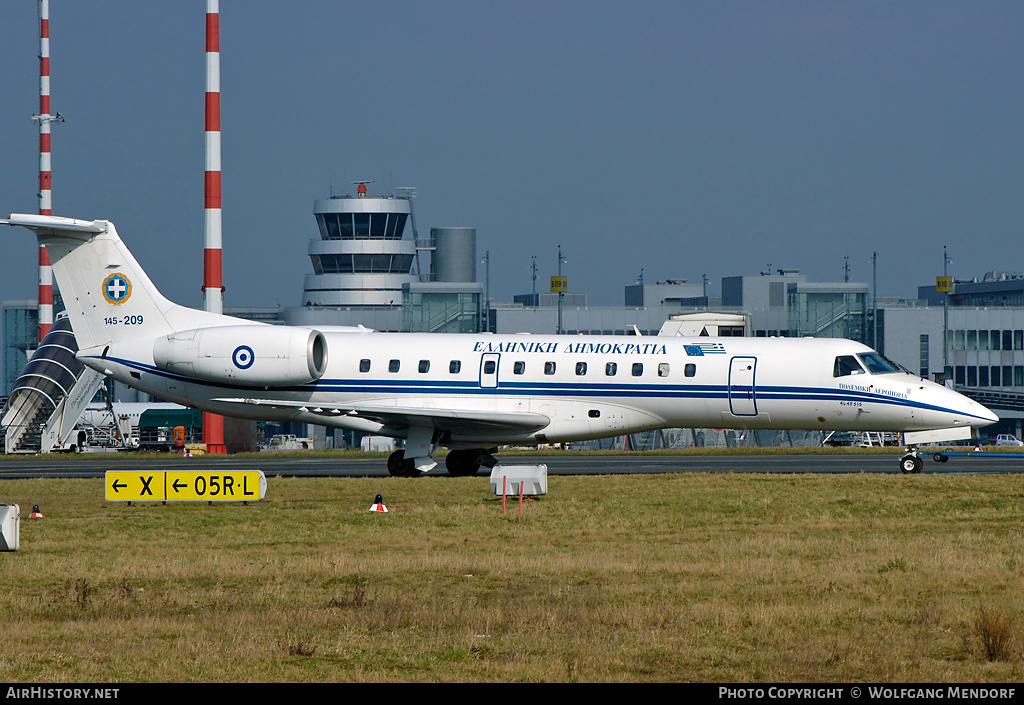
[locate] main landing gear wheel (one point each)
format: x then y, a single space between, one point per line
462 463
398 466
468 461
910 464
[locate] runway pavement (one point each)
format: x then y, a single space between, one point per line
88 465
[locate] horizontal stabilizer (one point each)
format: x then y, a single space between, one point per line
44 225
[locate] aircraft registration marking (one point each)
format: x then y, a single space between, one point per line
123 320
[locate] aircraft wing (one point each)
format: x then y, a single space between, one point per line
460 421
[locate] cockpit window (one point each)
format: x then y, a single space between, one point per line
847 365
877 365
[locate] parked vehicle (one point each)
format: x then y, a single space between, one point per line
1006 439
288 441
169 429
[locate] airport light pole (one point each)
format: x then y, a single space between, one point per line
874 301
486 261
533 266
945 314
561 288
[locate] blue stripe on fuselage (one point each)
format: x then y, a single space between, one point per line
555 389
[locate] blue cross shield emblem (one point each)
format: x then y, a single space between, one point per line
117 288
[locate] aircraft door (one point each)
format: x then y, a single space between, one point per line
489 370
742 396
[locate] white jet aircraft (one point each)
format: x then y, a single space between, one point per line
474 393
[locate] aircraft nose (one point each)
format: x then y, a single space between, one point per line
963 409
988 414
979 414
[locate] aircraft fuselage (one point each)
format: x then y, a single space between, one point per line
586 386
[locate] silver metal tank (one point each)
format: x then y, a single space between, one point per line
454 258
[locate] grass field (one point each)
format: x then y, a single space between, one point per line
727 578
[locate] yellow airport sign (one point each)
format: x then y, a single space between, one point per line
558 284
210 486
135 486
185 486
943 284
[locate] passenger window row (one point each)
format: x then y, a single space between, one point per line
519 368
985 339
985 376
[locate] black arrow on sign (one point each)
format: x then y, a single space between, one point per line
117 486
176 487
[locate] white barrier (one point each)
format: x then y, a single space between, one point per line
513 480
10 527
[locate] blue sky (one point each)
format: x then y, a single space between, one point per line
681 138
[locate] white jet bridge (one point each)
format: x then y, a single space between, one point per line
50 396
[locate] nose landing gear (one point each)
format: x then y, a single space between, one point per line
911 463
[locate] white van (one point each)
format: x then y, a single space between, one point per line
1006 439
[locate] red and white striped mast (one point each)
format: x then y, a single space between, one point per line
213 280
213 286
45 205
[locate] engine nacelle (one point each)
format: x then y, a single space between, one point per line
254 355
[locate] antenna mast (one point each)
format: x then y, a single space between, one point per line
45 205
213 276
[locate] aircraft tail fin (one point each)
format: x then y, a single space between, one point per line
108 296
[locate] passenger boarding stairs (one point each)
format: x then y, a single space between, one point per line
49 397
18 437
441 323
827 322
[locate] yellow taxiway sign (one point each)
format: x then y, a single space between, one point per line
185 486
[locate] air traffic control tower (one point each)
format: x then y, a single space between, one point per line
363 269
361 258
360 262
